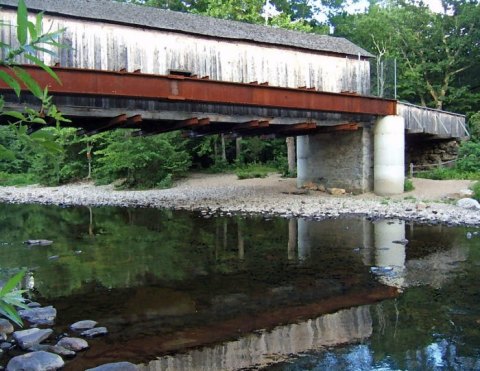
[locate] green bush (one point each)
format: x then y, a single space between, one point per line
476 191
7 179
143 162
448 173
66 164
469 157
408 185
254 171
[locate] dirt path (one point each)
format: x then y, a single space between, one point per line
433 190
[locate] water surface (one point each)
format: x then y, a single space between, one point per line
179 290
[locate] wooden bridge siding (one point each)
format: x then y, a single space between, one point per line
105 46
430 121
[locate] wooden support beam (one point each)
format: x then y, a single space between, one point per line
342 127
178 125
106 125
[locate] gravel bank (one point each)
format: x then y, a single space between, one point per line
272 195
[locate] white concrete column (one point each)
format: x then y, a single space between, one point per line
303 159
389 155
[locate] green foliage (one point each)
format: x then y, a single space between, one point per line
254 171
474 126
143 162
469 157
437 54
408 185
31 40
11 298
7 179
476 191
444 173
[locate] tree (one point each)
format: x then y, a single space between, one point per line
433 50
31 39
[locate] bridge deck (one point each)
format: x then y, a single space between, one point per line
157 103
102 100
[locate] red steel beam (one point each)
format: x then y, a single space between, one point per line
181 88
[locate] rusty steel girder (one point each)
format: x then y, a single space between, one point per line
86 82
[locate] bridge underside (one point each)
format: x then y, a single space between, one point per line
343 140
103 100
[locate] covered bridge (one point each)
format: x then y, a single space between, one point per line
109 36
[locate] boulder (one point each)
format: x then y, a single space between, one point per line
336 191
39 316
468 203
75 344
28 338
36 361
117 366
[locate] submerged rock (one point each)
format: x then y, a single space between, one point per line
36 361
5 345
83 325
39 316
94 332
28 338
75 344
117 366
39 242
57 349
6 326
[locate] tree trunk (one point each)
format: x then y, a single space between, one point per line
291 155
224 151
238 148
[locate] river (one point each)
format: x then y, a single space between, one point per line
180 290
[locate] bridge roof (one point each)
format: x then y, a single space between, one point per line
141 16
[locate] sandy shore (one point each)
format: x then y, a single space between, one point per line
431 201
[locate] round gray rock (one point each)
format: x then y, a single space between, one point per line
6 326
117 366
36 361
75 344
83 325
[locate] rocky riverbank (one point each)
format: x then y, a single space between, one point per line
431 202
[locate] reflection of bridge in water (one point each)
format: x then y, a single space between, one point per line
319 299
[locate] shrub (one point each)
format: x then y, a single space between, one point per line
476 191
469 154
143 161
254 171
408 185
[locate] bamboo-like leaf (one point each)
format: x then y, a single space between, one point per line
29 82
10 81
8 311
22 22
47 69
11 283
45 50
32 30
39 23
